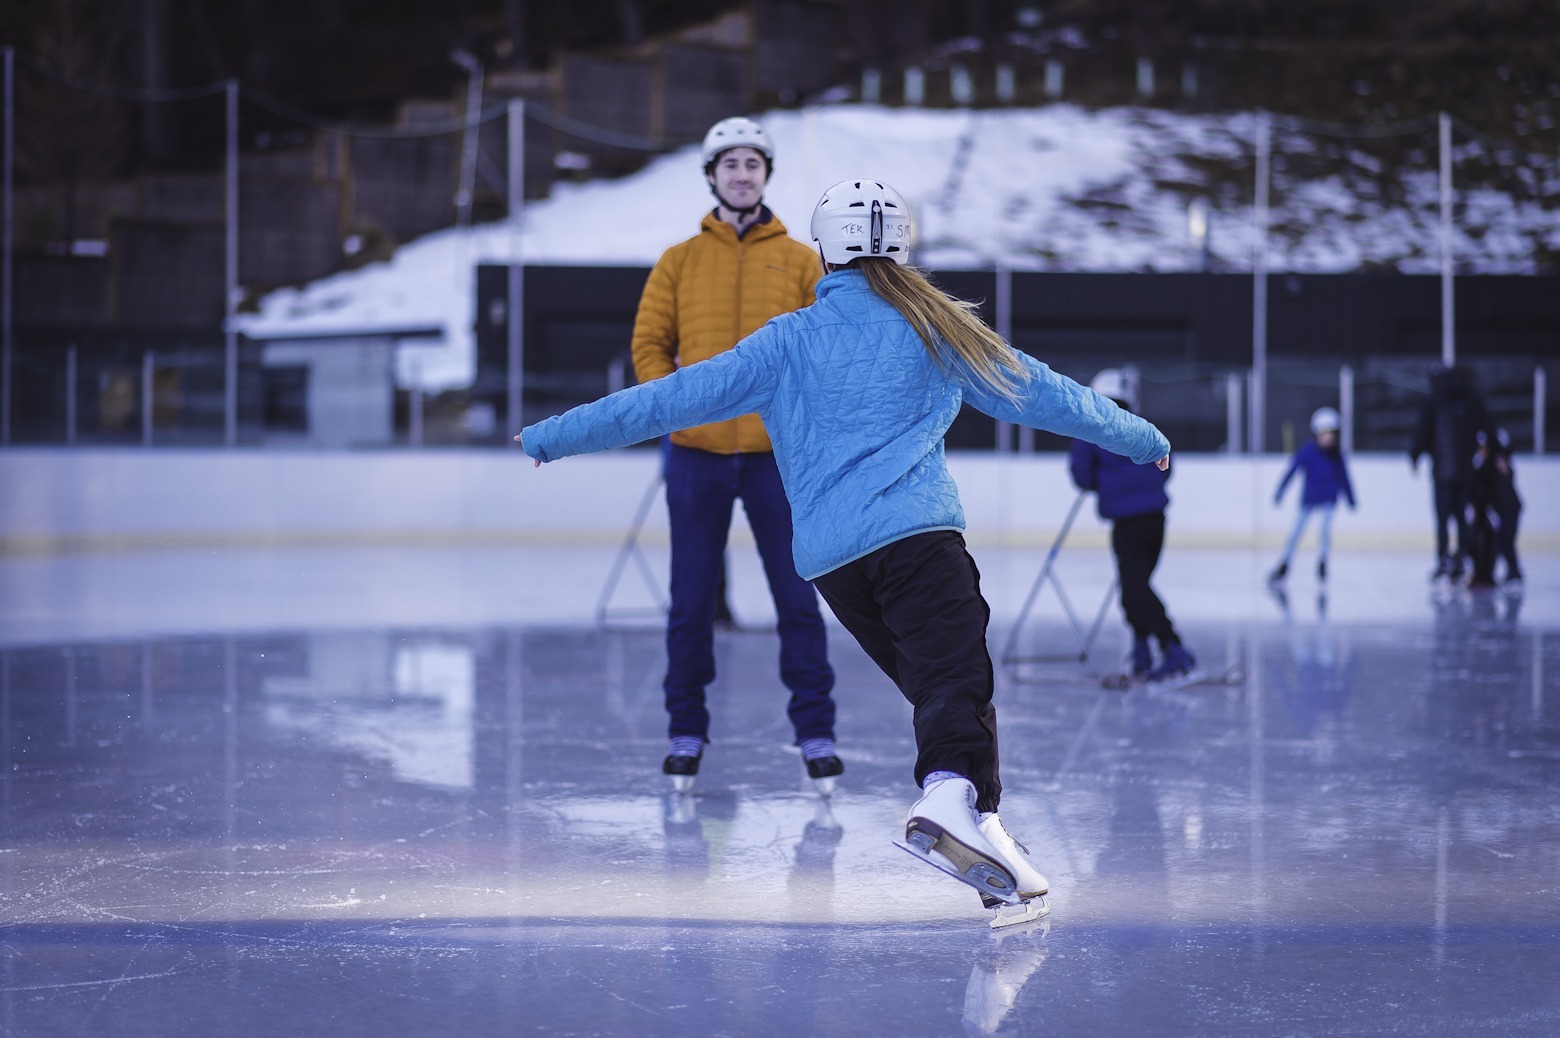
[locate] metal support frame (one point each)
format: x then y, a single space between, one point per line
631 550
1047 573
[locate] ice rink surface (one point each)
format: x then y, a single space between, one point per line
414 790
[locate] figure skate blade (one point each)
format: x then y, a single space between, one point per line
966 866
1025 911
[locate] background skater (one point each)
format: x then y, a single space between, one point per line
704 294
1133 498
1449 424
857 392
1325 478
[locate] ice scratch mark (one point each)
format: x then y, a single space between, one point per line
92 983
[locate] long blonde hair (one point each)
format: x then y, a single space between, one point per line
945 324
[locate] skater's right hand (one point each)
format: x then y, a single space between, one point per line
1163 463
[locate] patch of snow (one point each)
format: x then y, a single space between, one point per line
1053 188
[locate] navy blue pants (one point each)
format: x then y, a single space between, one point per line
916 608
701 490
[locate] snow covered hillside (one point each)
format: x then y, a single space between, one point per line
1054 188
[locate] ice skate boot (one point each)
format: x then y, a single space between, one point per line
823 764
823 771
682 764
1279 574
1032 886
1177 669
943 830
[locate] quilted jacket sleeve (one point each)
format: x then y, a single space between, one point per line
1057 404
654 342
739 381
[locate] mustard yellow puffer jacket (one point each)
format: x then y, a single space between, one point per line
708 293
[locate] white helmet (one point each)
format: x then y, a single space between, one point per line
1324 419
1116 384
856 218
736 132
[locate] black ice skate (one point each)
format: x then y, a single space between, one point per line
822 763
682 764
944 831
823 771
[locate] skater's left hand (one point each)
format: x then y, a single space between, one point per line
538 462
1163 463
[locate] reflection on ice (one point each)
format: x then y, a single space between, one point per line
442 822
1001 970
404 702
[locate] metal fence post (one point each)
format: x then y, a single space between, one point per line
5 248
1232 412
70 394
148 371
230 277
515 328
1259 288
1448 309
1003 316
1540 406
1346 408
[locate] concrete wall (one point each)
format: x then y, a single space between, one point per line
98 499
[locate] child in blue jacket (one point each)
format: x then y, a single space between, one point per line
1133 498
857 392
1326 478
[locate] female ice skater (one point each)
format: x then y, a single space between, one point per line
856 392
1325 480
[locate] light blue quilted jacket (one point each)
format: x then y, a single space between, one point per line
856 409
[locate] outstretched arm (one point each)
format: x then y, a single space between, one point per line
739 381
1283 483
1055 403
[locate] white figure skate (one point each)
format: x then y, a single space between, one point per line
943 830
1032 886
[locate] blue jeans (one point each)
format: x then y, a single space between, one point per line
1324 534
701 488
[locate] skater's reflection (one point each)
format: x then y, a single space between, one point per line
1315 681
1477 668
1003 965
813 871
692 824
803 966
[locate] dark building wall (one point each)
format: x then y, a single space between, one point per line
166 275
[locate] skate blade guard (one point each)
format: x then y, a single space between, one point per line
939 850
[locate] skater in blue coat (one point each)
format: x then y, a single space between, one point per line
1325 478
856 392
